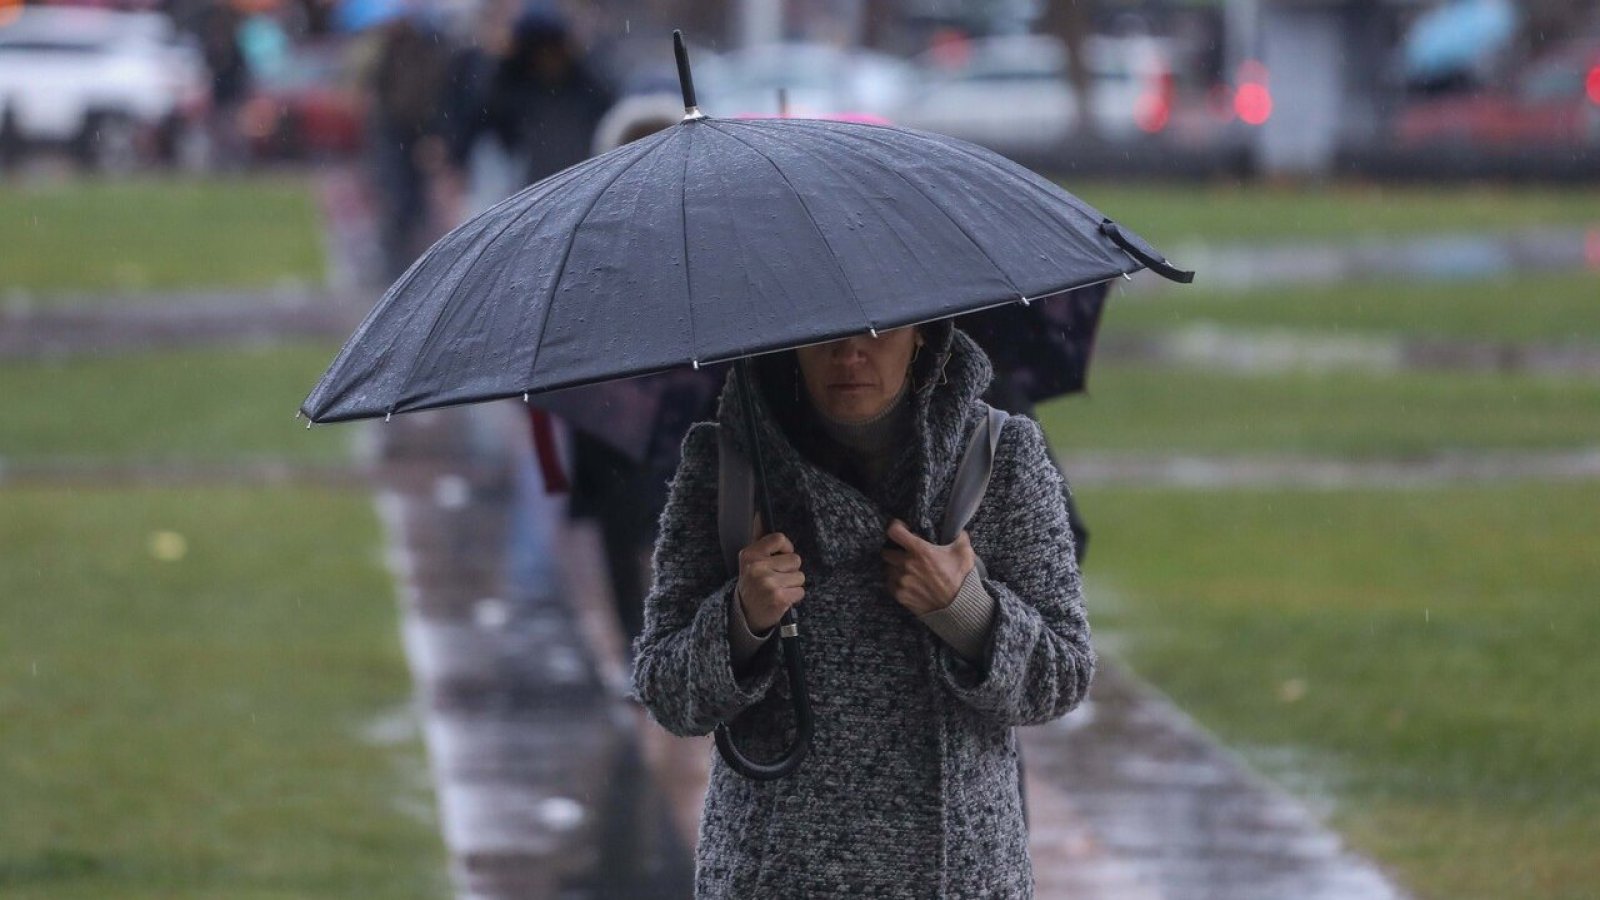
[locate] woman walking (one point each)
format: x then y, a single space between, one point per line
922 657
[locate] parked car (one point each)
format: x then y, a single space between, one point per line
118 89
309 107
1554 102
819 80
1012 92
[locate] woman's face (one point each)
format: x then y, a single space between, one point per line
854 379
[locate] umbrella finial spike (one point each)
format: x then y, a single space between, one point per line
524 396
695 363
308 424
1025 301
387 416
691 109
872 331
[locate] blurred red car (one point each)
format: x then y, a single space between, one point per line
1554 103
307 108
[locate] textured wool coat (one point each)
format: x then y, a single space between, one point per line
911 788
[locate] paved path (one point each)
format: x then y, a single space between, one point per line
150 322
1443 256
1266 351
538 775
1330 473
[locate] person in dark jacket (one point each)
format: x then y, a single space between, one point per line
406 83
543 102
922 657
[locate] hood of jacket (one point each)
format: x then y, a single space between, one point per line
947 384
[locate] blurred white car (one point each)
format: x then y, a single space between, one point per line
1013 92
819 80
111 86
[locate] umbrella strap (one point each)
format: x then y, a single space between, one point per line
1155 264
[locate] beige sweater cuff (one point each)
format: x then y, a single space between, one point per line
746 644
964 624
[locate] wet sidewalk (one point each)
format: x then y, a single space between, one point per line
550 785
536 766
1444 256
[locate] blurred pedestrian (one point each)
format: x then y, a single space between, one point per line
922 657
544 107
218 31
482 169
405 146
622 494
543 102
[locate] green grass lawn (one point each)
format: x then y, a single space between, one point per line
1171 214
1424 657
192 684
1551 308
1160 410
209 405
158 234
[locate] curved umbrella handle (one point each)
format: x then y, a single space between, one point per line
1159 266
788 626
789 630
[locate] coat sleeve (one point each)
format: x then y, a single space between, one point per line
1038 661
683 669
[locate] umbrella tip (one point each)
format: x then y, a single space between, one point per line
691 109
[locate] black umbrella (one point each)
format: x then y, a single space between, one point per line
716 240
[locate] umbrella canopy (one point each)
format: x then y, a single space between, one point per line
711 240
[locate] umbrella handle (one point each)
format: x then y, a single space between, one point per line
789 629
788 626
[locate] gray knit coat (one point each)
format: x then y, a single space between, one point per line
911 787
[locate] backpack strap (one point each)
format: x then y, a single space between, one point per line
736 499
736 487
972 477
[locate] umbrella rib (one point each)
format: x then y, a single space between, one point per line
688 284
843 275
942 211
566 254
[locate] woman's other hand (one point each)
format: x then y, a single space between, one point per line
770 580
924 577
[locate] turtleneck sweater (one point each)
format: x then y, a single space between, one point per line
872 445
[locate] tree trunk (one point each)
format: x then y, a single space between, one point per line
1071 21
